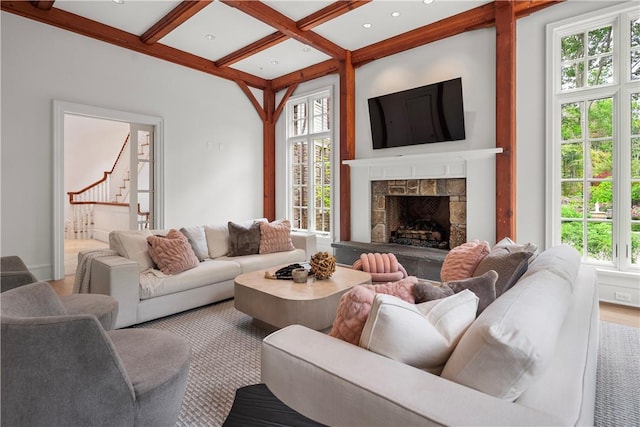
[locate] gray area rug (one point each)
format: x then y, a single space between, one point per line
618 387
227 348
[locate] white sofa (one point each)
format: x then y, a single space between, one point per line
541 334
124 276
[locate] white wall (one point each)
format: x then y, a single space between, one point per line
213 136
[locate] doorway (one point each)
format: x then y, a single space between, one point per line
107 175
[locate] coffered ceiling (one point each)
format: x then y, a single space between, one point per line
258 41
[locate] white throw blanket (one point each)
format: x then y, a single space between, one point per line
82 282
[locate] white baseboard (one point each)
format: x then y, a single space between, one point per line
619 288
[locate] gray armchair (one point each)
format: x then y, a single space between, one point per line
65 370
14 273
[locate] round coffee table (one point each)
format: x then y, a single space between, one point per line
277 303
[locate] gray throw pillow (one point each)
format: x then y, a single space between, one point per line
197 240
242 240
483 286
425 291
509 266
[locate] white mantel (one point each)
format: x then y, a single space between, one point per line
477 166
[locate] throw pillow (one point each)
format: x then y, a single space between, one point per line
508 245
510 266
275 237
217 240
198 241
355 304
461 261
243 240
172 253
484 287
422 335
132 245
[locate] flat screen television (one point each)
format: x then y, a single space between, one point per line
422 115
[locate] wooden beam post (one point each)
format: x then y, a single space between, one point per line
269 155
506 179
347 141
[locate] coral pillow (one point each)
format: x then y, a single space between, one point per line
355 304
275 237
461 261
172 253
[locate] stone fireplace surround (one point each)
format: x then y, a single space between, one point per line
476 166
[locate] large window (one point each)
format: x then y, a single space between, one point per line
310 149
594 144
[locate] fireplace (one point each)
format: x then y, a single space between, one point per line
419 212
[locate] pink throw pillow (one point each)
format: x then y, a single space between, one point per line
461 261
355 304
173 253
275 237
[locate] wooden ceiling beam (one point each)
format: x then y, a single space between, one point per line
330 66
287 26
89 28
323 15
255 47
43 5
328 13
173 20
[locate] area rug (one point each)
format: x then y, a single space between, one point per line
227 349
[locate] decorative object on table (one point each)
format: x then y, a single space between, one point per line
299 275
383 268
323 265
284 273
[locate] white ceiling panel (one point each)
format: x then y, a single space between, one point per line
297 10
281 59
134 17
231 28
348 31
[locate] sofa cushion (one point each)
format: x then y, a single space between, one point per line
132 245
355 304
510 266
514 340
243 240
255 262
422 335
562 260
172 253
197 240
461 261
275 237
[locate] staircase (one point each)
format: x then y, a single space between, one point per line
113 189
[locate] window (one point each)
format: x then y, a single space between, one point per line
310 153
594 143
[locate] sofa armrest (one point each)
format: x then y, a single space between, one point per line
119 277
304 240
336 383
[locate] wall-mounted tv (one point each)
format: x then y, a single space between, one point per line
422 115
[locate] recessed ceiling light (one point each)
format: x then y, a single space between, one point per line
305 49
209 36
395 14
367 25
427 1
274 62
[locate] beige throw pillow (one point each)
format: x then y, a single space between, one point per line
132 245
422 335
217 239
275 237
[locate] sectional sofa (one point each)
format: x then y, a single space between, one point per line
529 358
144 293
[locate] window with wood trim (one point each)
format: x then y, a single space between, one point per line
310 153
594 136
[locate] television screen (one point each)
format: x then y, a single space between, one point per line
423 115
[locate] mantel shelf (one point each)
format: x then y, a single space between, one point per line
429 157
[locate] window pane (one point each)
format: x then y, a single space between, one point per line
601 71
635 158
635 65
572 234
600 41
572 202
635 222
572 160
635 114
572 47
600 121
599 238
600 203
571 121
635 32
572 76
601 159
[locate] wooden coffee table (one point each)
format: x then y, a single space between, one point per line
278 303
